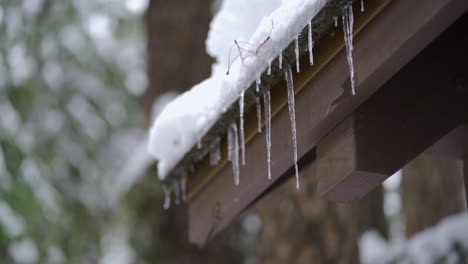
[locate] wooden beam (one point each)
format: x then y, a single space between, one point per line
418 107
381 49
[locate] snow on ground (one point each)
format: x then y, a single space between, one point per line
430 246
186 119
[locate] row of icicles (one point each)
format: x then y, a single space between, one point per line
233 135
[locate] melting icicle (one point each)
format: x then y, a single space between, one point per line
269 68
292 117
311 44
257 87
177 193
241 126
280 60
348 22
267 105
259 114
167 198
230 144
297 52
234 152
362 5
335 18
183 188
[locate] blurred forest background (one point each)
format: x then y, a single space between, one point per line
81 81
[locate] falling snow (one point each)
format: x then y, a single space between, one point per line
183 187
292 117
257 85
280 60
167 198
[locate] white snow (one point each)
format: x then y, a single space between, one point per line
268 26
428 246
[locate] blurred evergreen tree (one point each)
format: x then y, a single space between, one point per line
71 74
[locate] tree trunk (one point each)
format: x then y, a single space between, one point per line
299 227
176 61
432 188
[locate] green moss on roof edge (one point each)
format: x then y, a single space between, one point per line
322 25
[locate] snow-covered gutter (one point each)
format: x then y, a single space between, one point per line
202 114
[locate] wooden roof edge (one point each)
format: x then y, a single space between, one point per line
322 26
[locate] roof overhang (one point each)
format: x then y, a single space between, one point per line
389 34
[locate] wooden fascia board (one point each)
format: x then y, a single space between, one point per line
383 47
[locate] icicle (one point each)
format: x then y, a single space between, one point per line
259 114
311 44
335 18
183 187
199 143
234 152
297 53
177 193
230 144
280 60
257 87
269 68
167 198
348 22
241 126
267 106
362 5
292 117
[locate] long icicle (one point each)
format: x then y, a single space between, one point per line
259 114
348 23
230 144
167 198
235 152
362 6
269 68
292 116
267 109
311 44
257 85
241 126
296 48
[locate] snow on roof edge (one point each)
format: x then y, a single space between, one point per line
185 120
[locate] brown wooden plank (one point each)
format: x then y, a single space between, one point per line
454 145
381 49
419 106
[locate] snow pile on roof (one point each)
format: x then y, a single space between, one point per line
186 119
443 241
